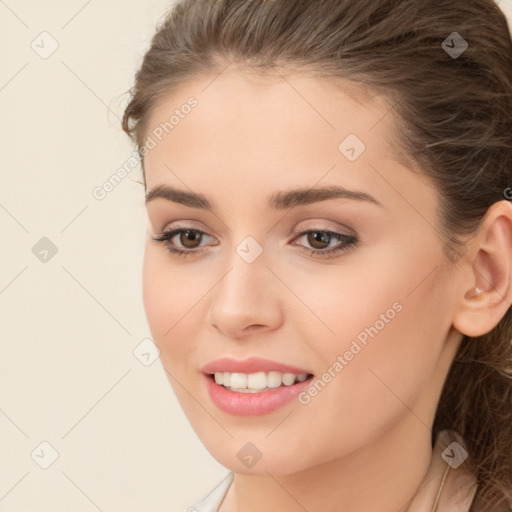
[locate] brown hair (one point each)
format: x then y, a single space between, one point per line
453 118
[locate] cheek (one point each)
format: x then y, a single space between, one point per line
390 321
168 303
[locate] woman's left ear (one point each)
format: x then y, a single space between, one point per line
486 273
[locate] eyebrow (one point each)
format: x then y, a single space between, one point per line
278 201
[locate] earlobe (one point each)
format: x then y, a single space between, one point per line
486 285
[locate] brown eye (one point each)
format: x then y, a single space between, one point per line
319 242
319 239
182 241
188 238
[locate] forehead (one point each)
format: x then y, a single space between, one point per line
251 131
275 99
242 106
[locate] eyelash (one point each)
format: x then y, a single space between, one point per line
349 241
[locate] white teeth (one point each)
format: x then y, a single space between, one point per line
238 380
288 379
254 382
274 379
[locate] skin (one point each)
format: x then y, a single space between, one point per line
252 135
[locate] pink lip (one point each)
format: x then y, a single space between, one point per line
250 365
252 404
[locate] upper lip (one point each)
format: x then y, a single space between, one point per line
249 365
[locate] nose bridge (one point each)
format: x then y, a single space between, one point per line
246 276
242 297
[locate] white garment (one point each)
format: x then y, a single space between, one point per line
211 501
445 488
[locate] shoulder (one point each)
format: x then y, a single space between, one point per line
210 501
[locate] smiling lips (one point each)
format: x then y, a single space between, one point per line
253 386
254 382
250 365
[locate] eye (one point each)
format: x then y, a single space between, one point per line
321 239
188 239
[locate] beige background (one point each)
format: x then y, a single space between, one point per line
70 324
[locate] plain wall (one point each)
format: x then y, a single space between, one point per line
70 321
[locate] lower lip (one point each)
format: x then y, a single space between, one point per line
252 404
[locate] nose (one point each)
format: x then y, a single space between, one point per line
246 299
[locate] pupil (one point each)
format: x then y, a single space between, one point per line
190 236
318 236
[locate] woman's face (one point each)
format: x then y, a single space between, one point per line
369 315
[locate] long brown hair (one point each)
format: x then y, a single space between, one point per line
453 111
